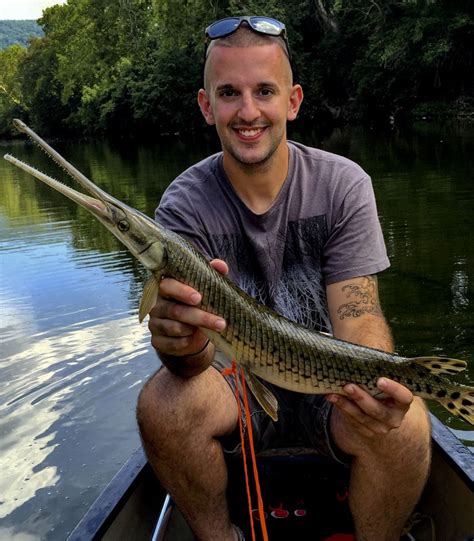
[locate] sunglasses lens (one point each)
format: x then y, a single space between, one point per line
223 27
267 25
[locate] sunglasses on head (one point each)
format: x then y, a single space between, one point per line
260 25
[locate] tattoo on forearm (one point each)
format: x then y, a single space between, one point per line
363 299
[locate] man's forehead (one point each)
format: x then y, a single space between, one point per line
237 63
223 51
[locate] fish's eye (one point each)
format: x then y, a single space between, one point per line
123 225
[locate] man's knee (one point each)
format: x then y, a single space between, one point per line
151 414
410 442
170 405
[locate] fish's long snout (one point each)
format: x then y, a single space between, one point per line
96 201
96 206
134 229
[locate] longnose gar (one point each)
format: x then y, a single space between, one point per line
264 343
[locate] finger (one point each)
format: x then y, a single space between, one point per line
162 308
188 315
171 288
220 266
196 317
169 327
400 394
173 345
368 426
378 412
370 406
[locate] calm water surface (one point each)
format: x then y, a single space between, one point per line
73 356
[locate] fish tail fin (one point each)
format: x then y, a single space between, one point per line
440 365
460 402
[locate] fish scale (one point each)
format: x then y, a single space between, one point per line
266 344
339 362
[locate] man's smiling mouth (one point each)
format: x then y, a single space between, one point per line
249 132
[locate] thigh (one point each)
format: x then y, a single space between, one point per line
203 402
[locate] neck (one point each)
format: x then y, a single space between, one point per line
258 185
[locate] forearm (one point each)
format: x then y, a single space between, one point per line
370 331
356 315
189 365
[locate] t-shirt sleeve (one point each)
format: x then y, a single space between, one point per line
355 244
186 224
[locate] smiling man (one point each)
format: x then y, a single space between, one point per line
297 228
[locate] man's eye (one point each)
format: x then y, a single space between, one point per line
266 92
227 93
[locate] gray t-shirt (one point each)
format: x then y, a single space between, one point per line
322 228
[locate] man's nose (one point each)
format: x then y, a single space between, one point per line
249 110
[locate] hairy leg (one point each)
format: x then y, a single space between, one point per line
179 422
388 474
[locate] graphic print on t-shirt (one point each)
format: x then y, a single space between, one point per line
282 271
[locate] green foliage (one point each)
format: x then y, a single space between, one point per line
11 98
129 67
18 32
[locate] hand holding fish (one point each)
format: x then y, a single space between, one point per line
370 416
174 325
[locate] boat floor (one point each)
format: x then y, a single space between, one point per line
302 495
314 510
135 507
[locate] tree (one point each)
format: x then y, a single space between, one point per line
11 98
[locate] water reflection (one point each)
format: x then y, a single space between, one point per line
73 356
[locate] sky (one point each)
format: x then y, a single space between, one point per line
25 9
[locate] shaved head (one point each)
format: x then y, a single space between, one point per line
244 37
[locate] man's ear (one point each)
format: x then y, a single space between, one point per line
205 106
295 100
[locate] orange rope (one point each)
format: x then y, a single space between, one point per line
261 511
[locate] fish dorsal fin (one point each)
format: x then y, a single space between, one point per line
440 365
148 300
263 395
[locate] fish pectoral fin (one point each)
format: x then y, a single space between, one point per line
440 365
263 395
148 300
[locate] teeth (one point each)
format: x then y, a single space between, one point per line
250 133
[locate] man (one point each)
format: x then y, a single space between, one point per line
297 228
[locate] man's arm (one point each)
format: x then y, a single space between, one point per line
357 317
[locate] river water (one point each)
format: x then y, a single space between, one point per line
73 356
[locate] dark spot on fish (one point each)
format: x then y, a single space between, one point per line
429 389
455 395
466 402
464 411
410 381
451 406
437 379
417 387
461 365
451 370
436 365
441 394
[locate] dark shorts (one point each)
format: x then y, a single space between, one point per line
303 421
